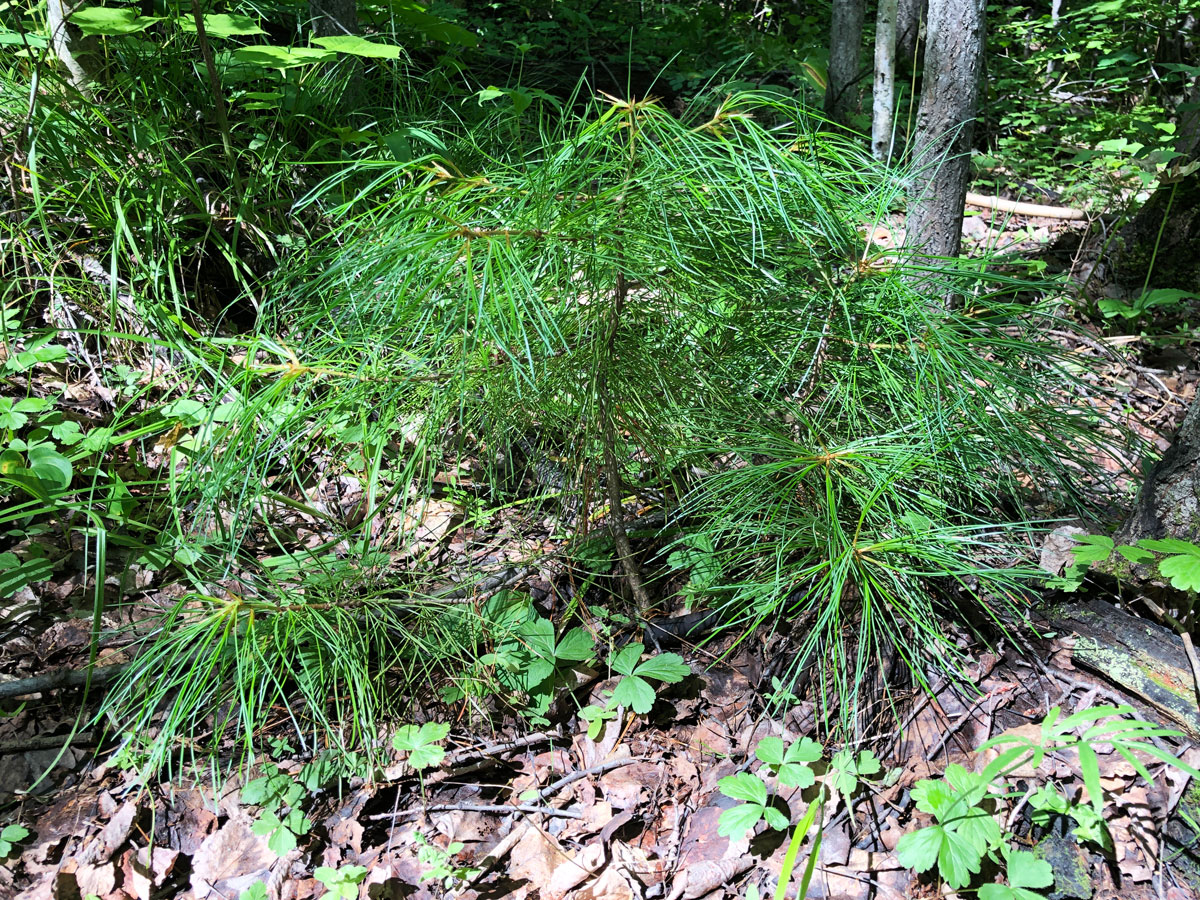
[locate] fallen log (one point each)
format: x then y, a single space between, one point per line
1138 657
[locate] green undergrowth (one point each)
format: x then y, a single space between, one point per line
685 308
540 312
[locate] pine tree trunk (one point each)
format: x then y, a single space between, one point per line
883 107
945 125
845 50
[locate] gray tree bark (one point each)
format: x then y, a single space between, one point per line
910 16
883 106
845 51
1169 502
945 125
333 17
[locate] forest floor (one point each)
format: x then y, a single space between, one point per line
632 813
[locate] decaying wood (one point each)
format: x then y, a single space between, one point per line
1138 656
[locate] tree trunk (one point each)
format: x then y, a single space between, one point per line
78 55
1169 502
1159 246
910 15
883 107
945 125
845 49
333 17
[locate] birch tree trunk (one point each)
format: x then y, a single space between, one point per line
77 54
845 50
883 106
945 125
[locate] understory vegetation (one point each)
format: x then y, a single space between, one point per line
286 365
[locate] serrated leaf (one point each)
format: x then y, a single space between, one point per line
668 667
1090 548
797 775
635 693
958 859
1182 571
419 742
736 821
804 750
576 646
1169 545
281 842
1026 870
625 661
918 850
775 818
744 786
1135 555
770 750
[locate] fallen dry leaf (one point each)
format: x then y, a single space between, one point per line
230 859
535 857
706 876
609 886
572 872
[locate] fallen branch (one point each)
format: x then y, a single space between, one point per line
1019 208
58 679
